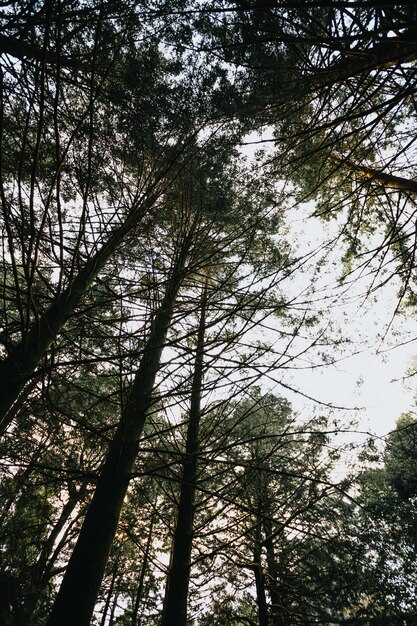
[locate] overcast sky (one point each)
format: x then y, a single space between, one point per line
382 349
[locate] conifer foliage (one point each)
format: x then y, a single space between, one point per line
154 302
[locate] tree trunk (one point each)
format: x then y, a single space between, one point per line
138 598
176 592
109 594
260 582
387 180
37 578
113 609
81 583
278 617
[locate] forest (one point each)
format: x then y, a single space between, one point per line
196 197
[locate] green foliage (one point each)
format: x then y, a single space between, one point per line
123 123
401 455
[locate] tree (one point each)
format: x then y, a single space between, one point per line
86 566
385 529
123 192
175 603
399 457
288 533
217 213
333 84
62 223
46 478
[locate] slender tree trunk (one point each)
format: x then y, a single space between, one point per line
260 582
81 583
113 609
278 617
42 565
388 180
39 574
109 594
139 592
176 591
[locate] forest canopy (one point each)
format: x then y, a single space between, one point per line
157 292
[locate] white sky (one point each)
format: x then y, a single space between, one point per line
372 378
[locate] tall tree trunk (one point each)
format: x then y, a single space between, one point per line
139 592
278 617
260 581
113 609
81 583
176 591
109 594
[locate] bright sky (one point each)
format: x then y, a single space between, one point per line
385 347
372 376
